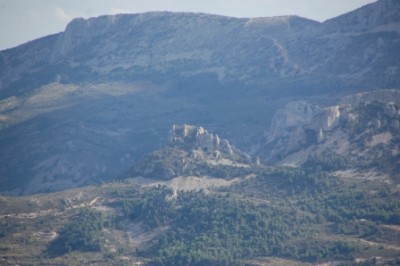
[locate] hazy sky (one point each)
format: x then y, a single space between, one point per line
25 20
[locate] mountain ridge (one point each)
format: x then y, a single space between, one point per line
114 91
80 31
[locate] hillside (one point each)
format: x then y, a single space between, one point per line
200 201
360 132
271 216
82 106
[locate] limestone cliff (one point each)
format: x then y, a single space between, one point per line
362 129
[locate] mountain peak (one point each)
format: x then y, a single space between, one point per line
383 12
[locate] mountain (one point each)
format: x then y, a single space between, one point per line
360 132
134 47
103 160
82 106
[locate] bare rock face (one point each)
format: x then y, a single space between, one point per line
295 114
362 129
301 122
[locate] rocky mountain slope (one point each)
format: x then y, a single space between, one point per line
83 105
134 47
362 131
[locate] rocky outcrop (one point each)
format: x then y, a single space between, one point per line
382 96
192 151
192 138
362 129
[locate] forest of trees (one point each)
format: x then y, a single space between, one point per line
223 229
83 233
276 213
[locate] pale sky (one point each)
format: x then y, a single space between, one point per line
26 20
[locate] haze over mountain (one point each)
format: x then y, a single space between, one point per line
86 104
175 139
